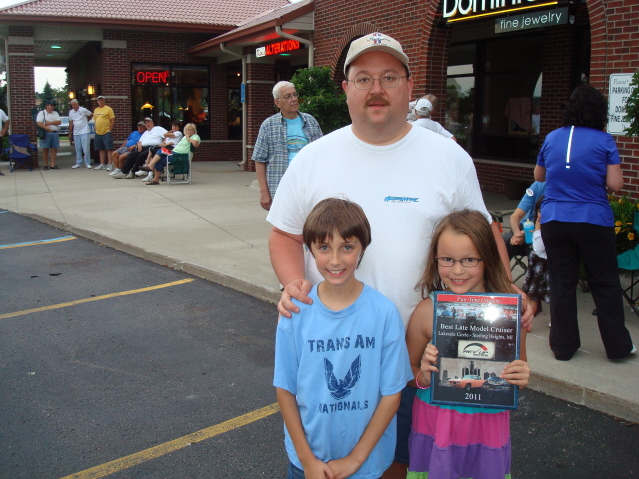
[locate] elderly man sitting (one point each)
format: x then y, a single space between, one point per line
153 136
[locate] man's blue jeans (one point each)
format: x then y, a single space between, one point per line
82 144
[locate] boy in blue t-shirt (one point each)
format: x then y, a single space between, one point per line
341 364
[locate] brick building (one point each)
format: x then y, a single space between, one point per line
501 68
138 56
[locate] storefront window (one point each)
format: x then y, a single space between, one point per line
513 68
167 92
460 94
494 96
235 102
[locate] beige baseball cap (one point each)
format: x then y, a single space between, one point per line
376 42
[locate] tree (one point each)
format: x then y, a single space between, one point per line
321 97
632 107
58 96
61 96
46 95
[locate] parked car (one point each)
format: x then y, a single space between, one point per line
63 128
496 384
469 381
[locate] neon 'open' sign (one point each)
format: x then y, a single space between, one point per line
152 77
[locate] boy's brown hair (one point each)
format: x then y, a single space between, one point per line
337 215
473 224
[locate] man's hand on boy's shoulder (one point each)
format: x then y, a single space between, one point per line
298 289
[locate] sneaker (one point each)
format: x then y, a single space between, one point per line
115 172
140 173
549 324
148 177
100 167
633 350
76 166
89 166
109 167
130 175
119 175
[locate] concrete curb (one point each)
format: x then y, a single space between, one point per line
261 292
605 403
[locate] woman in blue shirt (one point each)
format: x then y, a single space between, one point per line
578 162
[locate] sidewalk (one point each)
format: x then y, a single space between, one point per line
216 230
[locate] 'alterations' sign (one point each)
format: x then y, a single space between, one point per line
532 20
620 90
456 10
278 48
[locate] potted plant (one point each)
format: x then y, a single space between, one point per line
624 209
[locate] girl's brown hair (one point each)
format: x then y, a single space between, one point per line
474 225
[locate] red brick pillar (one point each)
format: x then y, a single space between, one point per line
22 83
559 76
259 103
435 75
115 81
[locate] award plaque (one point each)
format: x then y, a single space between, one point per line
477 335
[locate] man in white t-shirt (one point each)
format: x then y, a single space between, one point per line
79 133
48 119
423 109
405 179
153 136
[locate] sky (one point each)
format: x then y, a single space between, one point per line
56 77
6 3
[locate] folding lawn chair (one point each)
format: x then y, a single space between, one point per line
18 151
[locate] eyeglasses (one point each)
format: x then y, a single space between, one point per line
465 262
365 82
289 96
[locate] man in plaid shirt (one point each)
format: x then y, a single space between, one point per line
280 138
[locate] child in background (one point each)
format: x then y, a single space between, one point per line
536 283
452 442
341 363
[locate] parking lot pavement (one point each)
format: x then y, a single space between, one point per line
104 356
112 366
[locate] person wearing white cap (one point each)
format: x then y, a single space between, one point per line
405 179
152 137
423 109
410 117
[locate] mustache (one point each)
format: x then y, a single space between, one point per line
377 100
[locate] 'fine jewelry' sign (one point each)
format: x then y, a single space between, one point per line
527 21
